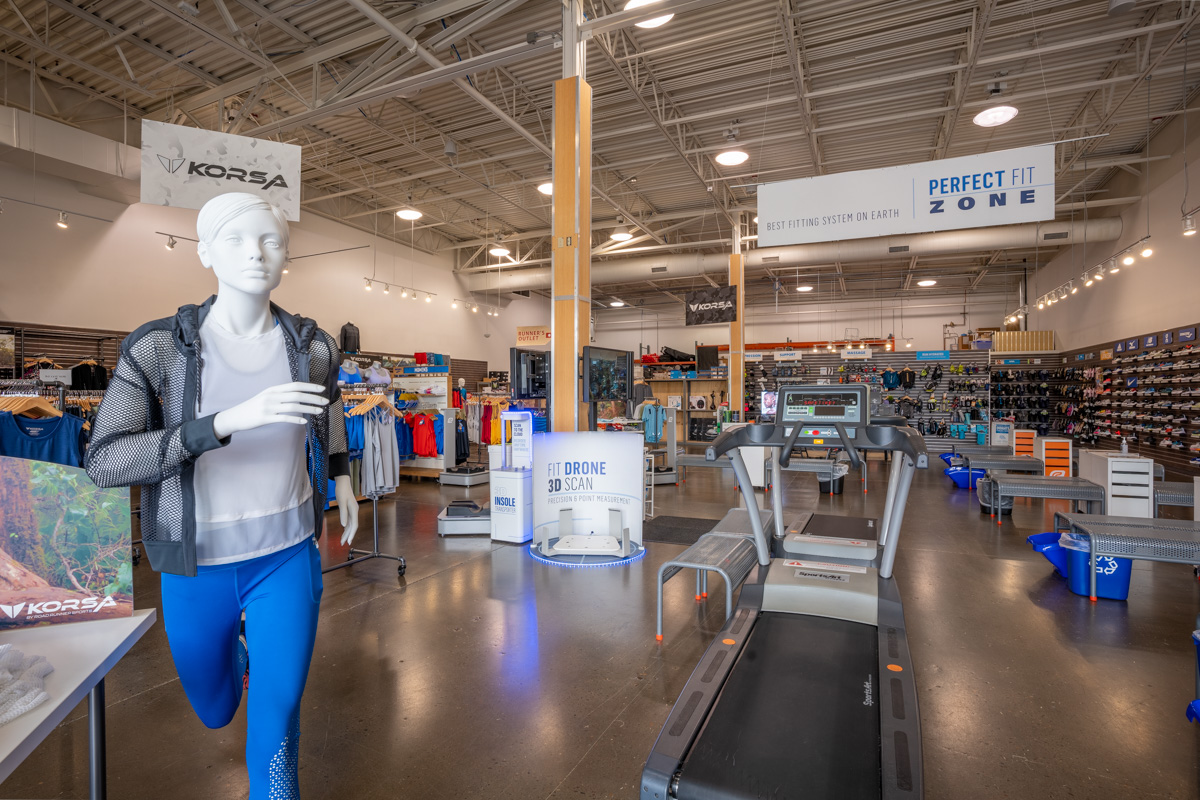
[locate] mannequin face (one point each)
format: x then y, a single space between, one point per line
248 253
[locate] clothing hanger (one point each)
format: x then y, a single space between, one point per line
35 407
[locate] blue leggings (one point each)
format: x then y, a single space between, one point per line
281 594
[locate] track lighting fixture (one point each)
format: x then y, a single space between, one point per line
1088 282
428 298
474 309
386 289
1074 288
454 304
1189 225
367 286
286 270
1041 304
1147 252
62 220
1062 293
1128 260
171 242
908 343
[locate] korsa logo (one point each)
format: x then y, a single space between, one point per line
219 171
89 604
716 305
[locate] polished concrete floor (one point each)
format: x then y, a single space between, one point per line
482 674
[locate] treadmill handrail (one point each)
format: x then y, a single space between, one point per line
785 457
847 443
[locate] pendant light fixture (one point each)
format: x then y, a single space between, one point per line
620 233
62 220
649 23
997 114
498 249
733 155
546 188
409 213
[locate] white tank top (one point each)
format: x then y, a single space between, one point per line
252 496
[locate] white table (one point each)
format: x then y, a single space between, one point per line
82 653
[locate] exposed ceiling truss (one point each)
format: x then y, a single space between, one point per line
447 106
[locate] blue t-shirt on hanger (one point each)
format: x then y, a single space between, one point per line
59 440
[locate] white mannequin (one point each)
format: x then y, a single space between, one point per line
247 255
350 365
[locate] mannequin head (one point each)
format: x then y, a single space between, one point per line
244 241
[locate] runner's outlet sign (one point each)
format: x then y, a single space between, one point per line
187 167
711 306
1001 188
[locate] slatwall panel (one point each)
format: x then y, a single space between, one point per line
1176 462
65 346
473 372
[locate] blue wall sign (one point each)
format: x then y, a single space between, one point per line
426 370
1187 335
1150 341
933 355
1010 362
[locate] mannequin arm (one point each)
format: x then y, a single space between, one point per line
347 507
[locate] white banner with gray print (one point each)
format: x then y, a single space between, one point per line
1001 188
187 167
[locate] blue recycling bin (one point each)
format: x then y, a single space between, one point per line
1047 544
1112 574
960 477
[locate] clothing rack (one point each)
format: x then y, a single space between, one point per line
355 555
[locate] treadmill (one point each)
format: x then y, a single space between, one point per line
808 689
834 536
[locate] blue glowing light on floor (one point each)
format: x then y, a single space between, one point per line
586 562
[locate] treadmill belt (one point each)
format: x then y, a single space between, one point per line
797 718
842 527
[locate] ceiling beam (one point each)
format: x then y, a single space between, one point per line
70 59
798 64
982 18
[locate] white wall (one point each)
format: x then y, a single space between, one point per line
117 276
920 318
1154 294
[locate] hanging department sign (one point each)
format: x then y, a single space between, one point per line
1000 188
711 306
187 167
856 353
533 335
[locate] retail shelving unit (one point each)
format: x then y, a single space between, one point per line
684 388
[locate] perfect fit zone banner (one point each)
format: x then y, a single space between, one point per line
187 167
1001 188
588 472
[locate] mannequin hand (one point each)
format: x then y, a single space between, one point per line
343 491
287 402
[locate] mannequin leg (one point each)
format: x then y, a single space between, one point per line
281 602
202 616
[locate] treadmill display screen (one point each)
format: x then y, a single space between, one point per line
822 405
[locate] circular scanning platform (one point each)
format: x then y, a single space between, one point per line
585 561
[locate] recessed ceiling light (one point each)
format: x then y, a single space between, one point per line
650 23
804 288
994 116
546 188
927 283
409 213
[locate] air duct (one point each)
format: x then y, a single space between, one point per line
972 240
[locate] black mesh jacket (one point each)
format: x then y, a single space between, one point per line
146 432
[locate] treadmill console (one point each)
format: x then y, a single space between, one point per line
817 408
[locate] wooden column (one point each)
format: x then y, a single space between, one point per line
737 338
572 250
